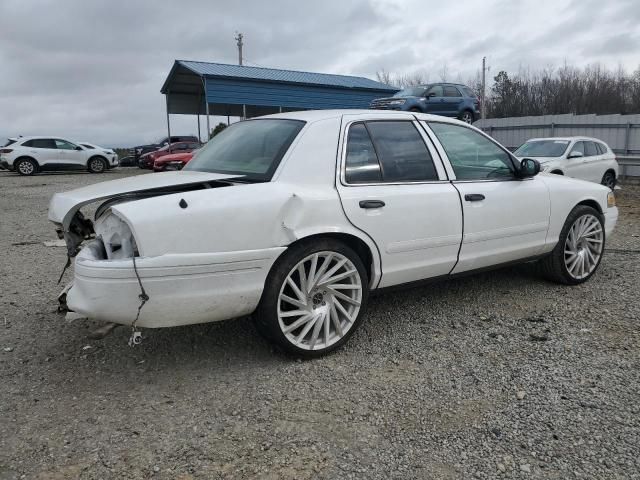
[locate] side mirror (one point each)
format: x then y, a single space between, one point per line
575 154
79 148
430 94
529 168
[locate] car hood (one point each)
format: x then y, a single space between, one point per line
64 205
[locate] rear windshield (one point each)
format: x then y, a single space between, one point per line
9 142
542 148
252 148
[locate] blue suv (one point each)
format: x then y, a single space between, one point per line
447 99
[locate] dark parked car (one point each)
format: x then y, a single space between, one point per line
447 99
128 161
140 150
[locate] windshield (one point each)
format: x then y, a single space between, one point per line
252 148
411 92
542 148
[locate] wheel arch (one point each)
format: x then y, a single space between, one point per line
26 157
589 202
101 157
366 250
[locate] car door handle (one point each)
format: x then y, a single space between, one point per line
371 204
474 197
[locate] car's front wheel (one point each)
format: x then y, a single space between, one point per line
97 165
579 250
314 298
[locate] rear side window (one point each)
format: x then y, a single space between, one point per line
40 143
468 92
450 91
590 149
602 147
362 164
387 152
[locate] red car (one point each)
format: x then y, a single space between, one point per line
175 161
147 160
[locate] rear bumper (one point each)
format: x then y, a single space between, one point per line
182 289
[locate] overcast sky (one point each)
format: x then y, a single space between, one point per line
92 70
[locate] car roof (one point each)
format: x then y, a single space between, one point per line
317 115
569 139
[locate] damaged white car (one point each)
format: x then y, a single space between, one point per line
297 217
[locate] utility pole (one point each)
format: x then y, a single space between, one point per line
483 108
239 40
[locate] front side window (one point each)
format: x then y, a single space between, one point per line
450 91
577 149
252 148
472 155
64 145
436 91
542 148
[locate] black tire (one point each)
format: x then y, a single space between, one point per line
553 266
97 165
26 166
467 116
415 110
609 179
266 315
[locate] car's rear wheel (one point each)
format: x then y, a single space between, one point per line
97 165
467 116
609 179
579 251
415 110
314 298
26 166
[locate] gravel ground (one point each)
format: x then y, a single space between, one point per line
500 375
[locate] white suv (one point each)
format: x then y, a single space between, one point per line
578 157
29 155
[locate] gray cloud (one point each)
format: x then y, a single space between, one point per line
93 70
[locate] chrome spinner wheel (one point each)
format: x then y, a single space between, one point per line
583 246
320 300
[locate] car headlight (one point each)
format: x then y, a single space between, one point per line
611 199
116 236
397 102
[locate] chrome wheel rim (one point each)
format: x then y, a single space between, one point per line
466 117
97 165
26 168
609 181
319 300
583 246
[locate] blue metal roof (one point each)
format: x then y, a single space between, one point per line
222 70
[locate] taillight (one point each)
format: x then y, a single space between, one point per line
6 150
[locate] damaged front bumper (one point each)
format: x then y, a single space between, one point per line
182 289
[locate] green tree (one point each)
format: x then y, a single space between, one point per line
218 128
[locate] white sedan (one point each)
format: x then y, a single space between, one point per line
296 217
578 157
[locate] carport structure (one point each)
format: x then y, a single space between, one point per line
202 88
